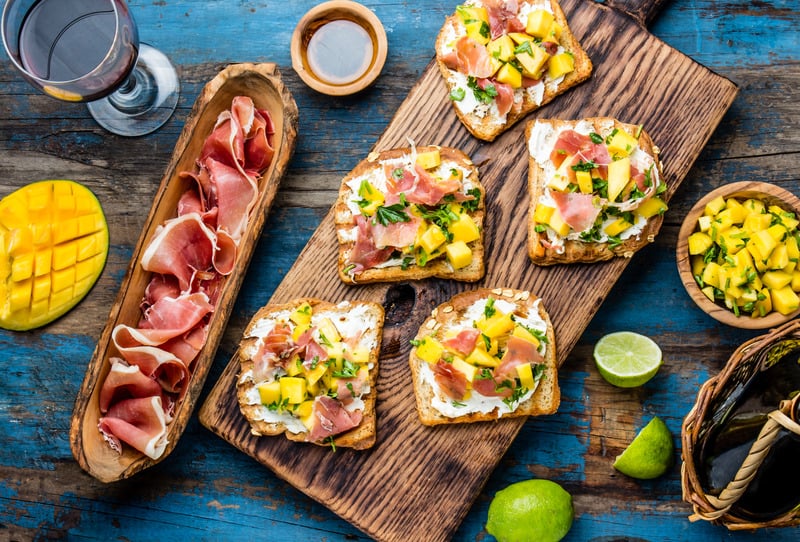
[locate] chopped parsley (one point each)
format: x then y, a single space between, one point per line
348 370
485 95
391 214
471 205
489 309
596 138
457 94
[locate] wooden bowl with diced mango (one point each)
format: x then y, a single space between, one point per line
738 255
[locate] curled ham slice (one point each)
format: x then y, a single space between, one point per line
140 423
125 381
181 247
505 95
451 381
236 195
330 418
189 256
418 186
464 342
578 210
518 352
503 17
365 254
471 58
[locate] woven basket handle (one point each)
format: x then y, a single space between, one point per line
784 417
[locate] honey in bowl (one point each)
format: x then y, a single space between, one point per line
339 47
340 51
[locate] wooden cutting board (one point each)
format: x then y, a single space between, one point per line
419 482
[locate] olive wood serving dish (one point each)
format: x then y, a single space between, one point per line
766 192
262 83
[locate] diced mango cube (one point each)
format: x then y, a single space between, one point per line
622 143
560 64
653 206
714 206
522 333
65 255
468 370
302 314
617 227
327 328
542 213
532 58
699 242
501 48
497 325
482 358
314 374
458 254
269 392
525 374
776 279
22 267
619 174
584 179
464 229
509 75
293 389
429 159
539 23
558 225
431 239
785 300
429 349
20 295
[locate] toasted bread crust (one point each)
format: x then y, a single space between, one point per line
345 221
488 128
546 398
361 437
576 251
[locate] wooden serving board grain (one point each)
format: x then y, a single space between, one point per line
418 482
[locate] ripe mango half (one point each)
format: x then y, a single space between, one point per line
53 247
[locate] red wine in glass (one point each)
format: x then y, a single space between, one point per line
89 51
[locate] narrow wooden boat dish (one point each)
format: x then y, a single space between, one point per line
262 83
769 194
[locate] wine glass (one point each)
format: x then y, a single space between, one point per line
89 51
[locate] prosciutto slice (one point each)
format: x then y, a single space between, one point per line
189 256
330 418
125 381
578 210
181 247
140 423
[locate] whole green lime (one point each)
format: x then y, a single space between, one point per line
538 510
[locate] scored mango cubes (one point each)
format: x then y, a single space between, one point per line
53 247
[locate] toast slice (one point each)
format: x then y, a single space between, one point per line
594 187
408 214
483 355
500 66
308 371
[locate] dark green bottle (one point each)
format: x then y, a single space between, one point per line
758 386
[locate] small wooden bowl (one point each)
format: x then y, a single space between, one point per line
331 11
263 84
770 194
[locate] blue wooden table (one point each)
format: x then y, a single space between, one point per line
206 489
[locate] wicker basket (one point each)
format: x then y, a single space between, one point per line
717 509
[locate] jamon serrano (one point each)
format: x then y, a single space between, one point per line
189 255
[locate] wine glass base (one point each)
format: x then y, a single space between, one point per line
145 103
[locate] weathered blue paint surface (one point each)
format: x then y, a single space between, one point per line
207 490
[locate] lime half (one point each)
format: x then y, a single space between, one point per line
538 510
649 455
626 359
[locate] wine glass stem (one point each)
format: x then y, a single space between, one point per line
137 94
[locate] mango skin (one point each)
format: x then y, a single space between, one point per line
53 248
